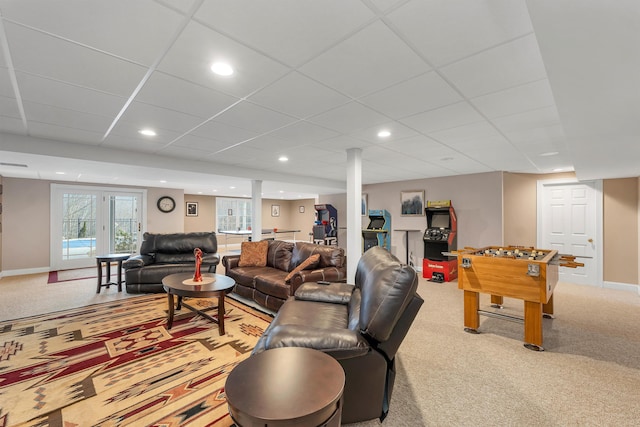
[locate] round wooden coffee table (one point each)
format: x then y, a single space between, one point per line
174 285
288 386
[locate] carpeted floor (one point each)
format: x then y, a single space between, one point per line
60 276
116 364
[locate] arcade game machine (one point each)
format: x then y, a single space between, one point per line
325 228
378 231
440 236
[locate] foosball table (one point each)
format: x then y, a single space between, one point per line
518 272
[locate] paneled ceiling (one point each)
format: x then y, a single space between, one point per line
463 87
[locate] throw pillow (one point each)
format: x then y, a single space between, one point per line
253 254
308 264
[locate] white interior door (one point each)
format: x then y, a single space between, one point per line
569 220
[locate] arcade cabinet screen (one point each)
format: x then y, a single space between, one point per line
440 220
376 223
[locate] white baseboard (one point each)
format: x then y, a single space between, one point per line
7 273
622 286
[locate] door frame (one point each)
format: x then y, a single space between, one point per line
100 190
597 186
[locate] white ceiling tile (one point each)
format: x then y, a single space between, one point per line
6 88
502 67
349 118
66 118
223 132
138 31
141 115
303 133
194 142
291 31
136 143
63 95
253 117
187 152
269 144
518 99
443 118
342 143
425 92
198 47
542 117
12 125
466 26
170 92
50 57
298 96
398 131
9 107
240 154
371 60
461 134
45 130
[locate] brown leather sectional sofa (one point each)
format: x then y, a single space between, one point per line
267 285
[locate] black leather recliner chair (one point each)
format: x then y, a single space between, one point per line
164 254
361 326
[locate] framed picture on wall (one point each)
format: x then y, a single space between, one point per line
412 203
192 208
364 204
275 210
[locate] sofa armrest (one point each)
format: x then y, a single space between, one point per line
138 261
210 259
329 274
336 293
230 261
339 343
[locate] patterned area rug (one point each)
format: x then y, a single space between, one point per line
116 364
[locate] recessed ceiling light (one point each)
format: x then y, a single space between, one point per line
283 158
222 69
59 173
147 132
549 153
232 187
384 133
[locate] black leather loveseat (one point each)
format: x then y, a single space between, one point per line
361 326
164 254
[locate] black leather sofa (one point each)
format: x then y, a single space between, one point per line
164 254
361 326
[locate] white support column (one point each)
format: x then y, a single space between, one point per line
256 210
354 216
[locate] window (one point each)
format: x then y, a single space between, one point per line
233 214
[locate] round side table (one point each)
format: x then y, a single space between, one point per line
289 386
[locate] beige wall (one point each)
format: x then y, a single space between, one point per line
620 225
476 198
26 224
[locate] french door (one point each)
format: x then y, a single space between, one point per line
90 221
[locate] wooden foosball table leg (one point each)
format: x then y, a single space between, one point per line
497 301
547 309
471 315
533 325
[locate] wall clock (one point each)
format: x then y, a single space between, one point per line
166 204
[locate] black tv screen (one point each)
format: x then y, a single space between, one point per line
440 220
